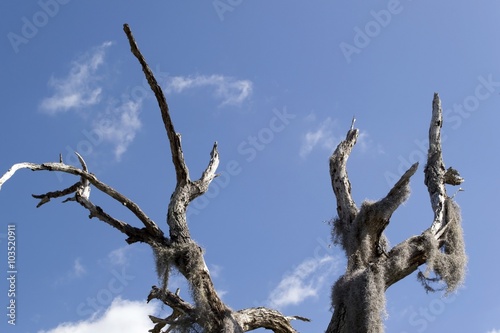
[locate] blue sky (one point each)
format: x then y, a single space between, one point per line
276 84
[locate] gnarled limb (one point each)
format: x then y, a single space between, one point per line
358 296
179 251
82 192
210 312
346 207
253 318
436 176
435 170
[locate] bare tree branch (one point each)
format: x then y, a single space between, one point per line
151 226
358 296
44 198
208 174
435 170
346 208
171 299
398 193
211 312
253 318
405 258
382 210
181 169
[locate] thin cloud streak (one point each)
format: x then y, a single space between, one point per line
304 282
367 145
231 91
77 271
79 88
118 257
321 137
119 125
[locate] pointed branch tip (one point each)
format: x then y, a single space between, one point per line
82 161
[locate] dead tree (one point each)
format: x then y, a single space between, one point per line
178 250
358 297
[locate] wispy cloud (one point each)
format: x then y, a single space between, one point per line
121 316
494 331
79 88
230 90
77 271
215 270
119 125
366 144
118 256
222 293
305 281
322 137
215 273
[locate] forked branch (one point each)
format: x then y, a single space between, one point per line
179 250
82 193
359 295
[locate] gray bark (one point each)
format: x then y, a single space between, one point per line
358 297
178 250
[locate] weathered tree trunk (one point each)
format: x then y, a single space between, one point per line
358 297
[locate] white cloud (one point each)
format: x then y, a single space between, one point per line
231 91
367 145
322 137
76 271
78 89
119 256
119 125
215 270
303 282
494 331
121 316
222 293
